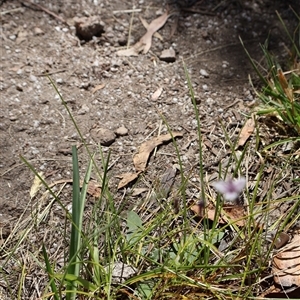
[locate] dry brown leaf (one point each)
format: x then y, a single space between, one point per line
144 44
132 51
246 132
97 88
94 188
275 292
156 94
290 94
234 214
138 191
141 158
286 264
153 27
127 178
231 214
146 25
198 210
282 80
37 184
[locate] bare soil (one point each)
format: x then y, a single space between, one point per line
105 91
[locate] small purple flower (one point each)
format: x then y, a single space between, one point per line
230 189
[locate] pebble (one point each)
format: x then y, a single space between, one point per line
168 55
59 81
32 78
103 136
204 73
13 118
121 131
205 87
19 88
38 31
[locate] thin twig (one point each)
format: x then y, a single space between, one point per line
11 11
130 28
47 11
126 11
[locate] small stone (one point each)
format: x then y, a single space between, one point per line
32 78
204 73
103 136
38 31
13 118
168 55
59 81
121 131
19 88
122 40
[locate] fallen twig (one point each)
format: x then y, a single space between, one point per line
46 11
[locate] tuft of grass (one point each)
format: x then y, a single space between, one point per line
280 94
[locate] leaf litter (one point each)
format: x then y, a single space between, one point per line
144 44
246 131
141 158
286 264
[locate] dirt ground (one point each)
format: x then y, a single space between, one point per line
105 91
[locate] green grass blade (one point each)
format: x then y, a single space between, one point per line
77 216
50 274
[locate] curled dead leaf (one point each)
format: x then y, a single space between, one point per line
246 132
286 264
126 178
141 158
